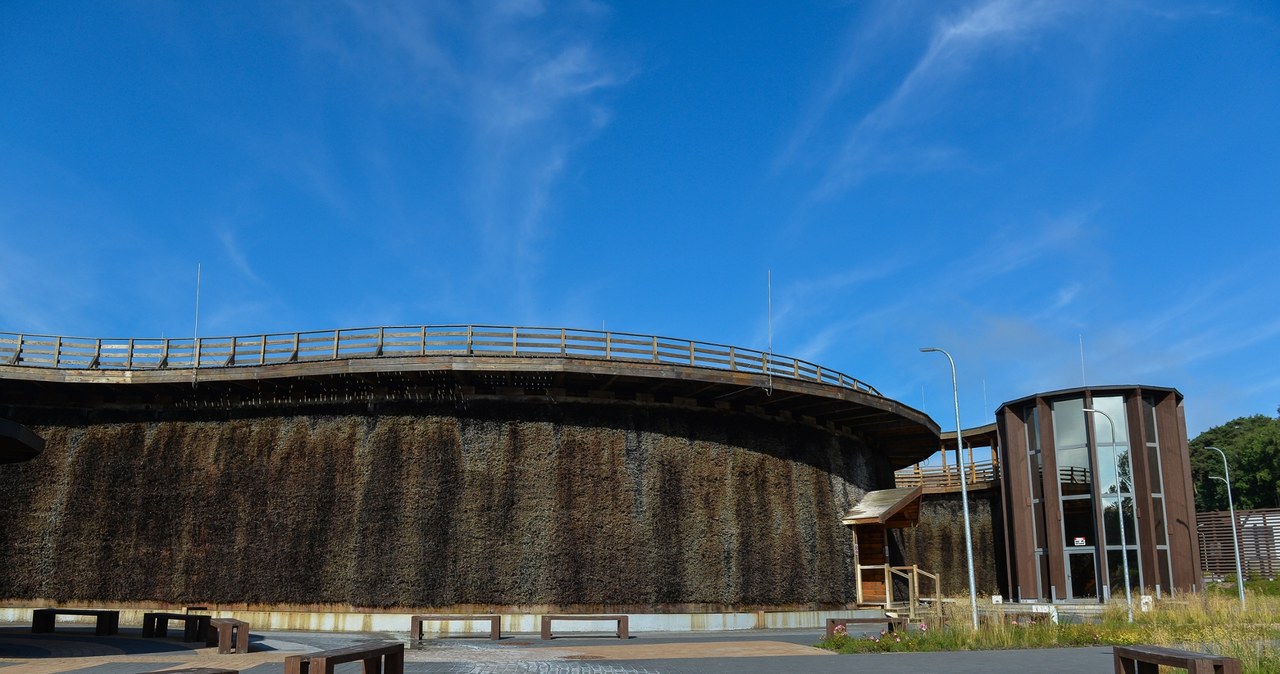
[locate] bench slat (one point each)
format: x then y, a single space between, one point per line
415 623
323 662
622 620
1143 659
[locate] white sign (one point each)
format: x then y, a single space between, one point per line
1080 540
997 599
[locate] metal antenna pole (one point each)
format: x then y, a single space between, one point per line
195 335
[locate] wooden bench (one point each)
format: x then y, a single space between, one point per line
832 623
620 619
1147 660
228 633
42 619
495 623
384 656
195 626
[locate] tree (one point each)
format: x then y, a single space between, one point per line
1252 446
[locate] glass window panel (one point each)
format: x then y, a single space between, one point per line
1157 509
1036 476
1112 523
1112 406
1162 561
1153 468
1115 571
1037 510
1044 576
1068 423
1077 522
1149 417
1073 471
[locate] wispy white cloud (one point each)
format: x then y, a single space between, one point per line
525 83
869 145
235 253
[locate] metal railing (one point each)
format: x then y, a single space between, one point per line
81 353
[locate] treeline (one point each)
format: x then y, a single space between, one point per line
1252 446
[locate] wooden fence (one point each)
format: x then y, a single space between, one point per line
934 479
1259 532
79 353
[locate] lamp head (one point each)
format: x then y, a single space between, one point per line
927 349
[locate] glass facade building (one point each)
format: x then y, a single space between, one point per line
1080 496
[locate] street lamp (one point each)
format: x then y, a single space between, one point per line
1124 542
1235 539
964 491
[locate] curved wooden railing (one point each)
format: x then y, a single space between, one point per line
80 353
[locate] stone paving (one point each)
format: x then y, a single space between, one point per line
748 652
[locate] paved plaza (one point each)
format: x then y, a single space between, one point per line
76 649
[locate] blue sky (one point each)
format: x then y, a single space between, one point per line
999 178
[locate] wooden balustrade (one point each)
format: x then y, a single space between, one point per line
80 353
978 474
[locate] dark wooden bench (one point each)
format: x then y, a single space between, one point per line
622 632
415 629
893 623
1147 660
156 624
42 619
386 657
228 633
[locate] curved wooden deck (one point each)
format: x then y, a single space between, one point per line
456 363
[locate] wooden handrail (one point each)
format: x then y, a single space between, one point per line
81 353
947 476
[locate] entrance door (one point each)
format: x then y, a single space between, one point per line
1082 575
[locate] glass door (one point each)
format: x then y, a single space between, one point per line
1082 575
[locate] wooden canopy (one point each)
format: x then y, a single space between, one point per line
17 442
890 508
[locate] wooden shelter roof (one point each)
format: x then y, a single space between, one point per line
892 508
17 442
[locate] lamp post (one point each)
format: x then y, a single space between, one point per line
1124 542
964 491
1235 538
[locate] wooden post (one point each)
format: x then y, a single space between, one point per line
337 336
973 471
262 352
57 351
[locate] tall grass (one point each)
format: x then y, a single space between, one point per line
1206 623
